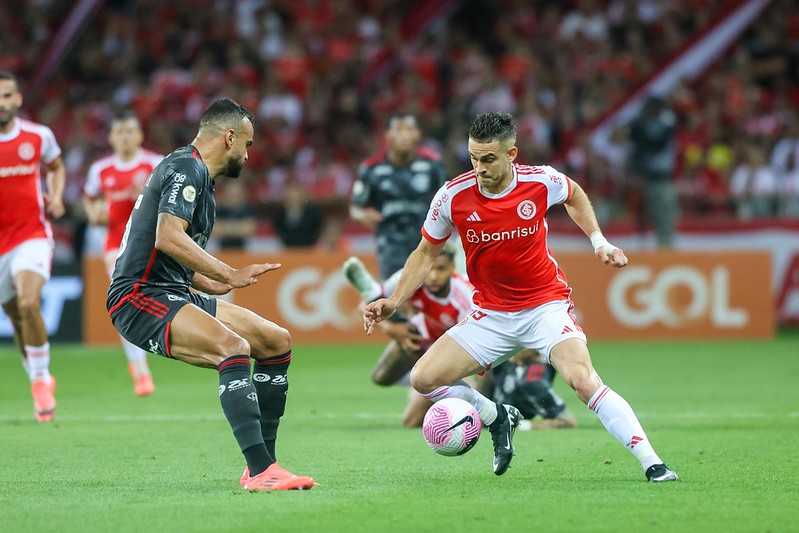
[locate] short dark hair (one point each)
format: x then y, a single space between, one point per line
124 114
494 126
448 251
8 75
223 114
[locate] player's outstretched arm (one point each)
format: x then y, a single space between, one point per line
209 286
582 212
366 216
171 238
416 268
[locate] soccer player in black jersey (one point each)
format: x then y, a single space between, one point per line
162 256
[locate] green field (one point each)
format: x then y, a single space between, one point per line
725 416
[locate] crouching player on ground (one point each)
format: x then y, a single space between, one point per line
443 300
162 256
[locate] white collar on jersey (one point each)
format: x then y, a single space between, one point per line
507 190
130 164
5 137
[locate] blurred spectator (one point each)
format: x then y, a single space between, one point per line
652 143
789 191
298 221
235 218
754 185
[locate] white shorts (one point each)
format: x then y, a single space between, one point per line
35 255
492 337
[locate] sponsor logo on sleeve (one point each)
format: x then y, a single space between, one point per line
189 193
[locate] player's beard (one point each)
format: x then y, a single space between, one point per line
7 116
234 167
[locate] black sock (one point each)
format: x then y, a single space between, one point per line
240 405
502 415
271 382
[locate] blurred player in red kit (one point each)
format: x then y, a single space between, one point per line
112 186
26 239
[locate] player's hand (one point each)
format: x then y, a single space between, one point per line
54 206
614 258
371 217
376 312
244 277
406 335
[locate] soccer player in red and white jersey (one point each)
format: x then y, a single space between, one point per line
522 298
26 239
110 192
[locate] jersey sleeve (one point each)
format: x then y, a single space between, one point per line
181 185
559 187
361 189
438 225
50 149
93 186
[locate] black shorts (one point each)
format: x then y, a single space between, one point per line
143 317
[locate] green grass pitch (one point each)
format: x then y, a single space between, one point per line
724 415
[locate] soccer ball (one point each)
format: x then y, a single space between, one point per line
451 426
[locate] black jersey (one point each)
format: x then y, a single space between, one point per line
403 196
180 185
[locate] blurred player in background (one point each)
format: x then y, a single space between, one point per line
26 239
162 256
391 196
111 189
393 192
521 299
443 300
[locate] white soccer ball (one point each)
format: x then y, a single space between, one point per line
451 426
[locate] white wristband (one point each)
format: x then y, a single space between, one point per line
599 241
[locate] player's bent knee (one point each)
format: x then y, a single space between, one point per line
233 345
29 306
423 384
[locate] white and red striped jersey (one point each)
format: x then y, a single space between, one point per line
437 314
119 183
22 152
504 236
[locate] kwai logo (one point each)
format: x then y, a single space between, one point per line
496 236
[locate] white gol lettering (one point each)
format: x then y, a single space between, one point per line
189 193
709 297
526 209
310 300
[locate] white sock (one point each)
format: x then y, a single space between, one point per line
619 419
37 362
485 407
137 358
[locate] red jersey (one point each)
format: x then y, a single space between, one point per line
504 236
438 314
22 151
119 183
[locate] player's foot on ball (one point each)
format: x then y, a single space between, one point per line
660 473
143 385
359 277
502 429
43 399
277 478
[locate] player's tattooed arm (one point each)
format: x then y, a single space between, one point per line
56 178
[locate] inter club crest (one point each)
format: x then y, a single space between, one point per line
526 209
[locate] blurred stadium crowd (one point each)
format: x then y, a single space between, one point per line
322 76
